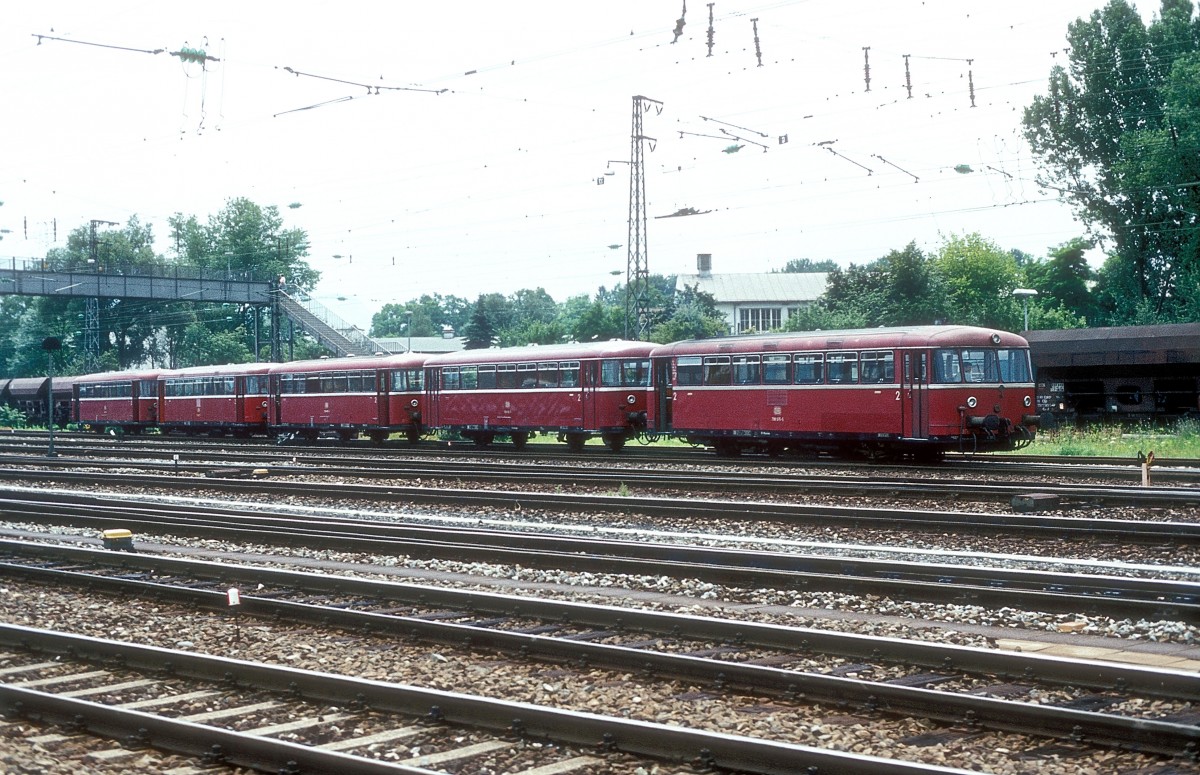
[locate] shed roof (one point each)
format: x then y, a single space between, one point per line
778 287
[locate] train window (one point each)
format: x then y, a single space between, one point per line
776 369
979 366
946 368
635 373
416 379
468 377
450 378
717 370
1014 365
148 387
610 373
487 377
688 370
746 370
229 386
527 375
547 374
569 374
878 367
256 385
399 380
842 367
810 368
506 376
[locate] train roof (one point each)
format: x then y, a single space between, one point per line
399 361
23 387
119 376
613 348
223 370
1169 343
848 339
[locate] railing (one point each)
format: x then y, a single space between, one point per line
175 271
355 336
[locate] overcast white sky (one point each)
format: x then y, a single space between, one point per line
491 185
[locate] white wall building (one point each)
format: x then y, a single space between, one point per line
754 302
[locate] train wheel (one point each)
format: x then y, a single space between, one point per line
309 436
377 437
520 439
775 448
614 441
482 439
413 435
575 441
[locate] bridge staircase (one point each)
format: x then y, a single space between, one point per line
327 328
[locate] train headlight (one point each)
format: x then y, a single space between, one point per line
972 401
413 403
631 399
1028 400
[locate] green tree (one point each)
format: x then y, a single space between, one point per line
803 265
902 288
201 346
1117 137
490 315
691 314
1062 282
978 279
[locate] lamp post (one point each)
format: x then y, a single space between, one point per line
1023 294
51 345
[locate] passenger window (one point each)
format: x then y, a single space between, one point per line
506 376
843 368
745 370
775 369
527 375
946 368
809 368
468 377
569 374
717 370
878 368
487 377
688 370
547 375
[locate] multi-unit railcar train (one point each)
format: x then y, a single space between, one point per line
920 391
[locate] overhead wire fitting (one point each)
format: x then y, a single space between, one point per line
371 88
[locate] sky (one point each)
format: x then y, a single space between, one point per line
474 147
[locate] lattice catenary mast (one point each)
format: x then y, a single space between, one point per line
637 277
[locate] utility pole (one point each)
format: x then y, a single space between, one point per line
637 275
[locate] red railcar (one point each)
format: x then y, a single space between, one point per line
921 390
577 391
215 399
377 395
117 401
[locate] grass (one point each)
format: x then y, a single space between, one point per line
1180 441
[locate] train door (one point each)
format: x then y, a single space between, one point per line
275 400
914 395
432 417
589 379
382 401
663 394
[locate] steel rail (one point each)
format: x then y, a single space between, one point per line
1098 675
613 476
1169 738
658 741
1135 531
1035 590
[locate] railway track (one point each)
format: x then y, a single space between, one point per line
1075 496
1117 597
977 686
1127 469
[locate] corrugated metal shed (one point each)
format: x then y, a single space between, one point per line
773 287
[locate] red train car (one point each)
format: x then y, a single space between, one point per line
921 390
117 401
378 396
577 391
215 399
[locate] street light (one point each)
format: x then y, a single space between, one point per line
1024 294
